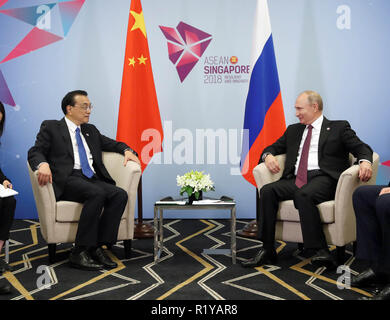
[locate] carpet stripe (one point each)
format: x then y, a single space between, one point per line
207 266
298 267
282 283
17 285
102 276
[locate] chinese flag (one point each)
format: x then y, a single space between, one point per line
139 122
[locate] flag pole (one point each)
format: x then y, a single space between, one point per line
142 230
251 228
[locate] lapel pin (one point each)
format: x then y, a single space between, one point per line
328 128
87 134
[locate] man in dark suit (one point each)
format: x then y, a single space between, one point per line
68 153
317 152
372 210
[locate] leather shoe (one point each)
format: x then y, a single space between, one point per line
83 261
264 256
4 266
367 278
101 256
5 289
384 294
323 258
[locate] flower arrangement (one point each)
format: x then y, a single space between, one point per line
194 182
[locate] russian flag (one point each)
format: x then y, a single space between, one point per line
264 120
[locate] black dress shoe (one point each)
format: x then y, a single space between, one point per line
5 289
367 278
264 256
384 294
323 258
83 261
100 256
4 266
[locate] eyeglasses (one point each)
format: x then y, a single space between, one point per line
85 107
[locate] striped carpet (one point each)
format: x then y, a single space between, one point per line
184 272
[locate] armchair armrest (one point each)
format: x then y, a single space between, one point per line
263 176
344 213
45 202
126 178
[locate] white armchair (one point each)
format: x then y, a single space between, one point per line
337 215
59 220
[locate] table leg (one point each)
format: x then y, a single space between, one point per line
156 244
233 234
161 231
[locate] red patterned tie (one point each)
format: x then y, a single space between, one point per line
301 178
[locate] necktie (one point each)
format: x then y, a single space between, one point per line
301 178
85 168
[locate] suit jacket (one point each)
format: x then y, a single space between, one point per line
54 146
337 140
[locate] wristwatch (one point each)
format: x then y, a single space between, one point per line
265 156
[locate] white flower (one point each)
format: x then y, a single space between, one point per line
194 181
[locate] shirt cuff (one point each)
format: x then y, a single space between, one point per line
131 150
40 164
365 160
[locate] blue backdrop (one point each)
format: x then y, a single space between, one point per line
339 48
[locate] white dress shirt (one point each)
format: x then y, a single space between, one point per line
72 131
312 162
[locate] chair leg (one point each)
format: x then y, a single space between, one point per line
340 252
52 252
127 245
7 251
300 247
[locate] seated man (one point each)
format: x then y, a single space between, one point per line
317 152
372 210
68 153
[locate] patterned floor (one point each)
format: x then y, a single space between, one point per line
184 273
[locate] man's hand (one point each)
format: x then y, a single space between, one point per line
129 156
272 163
44 174
384 191
7 184
365 171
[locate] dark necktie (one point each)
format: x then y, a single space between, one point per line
85 168
301 178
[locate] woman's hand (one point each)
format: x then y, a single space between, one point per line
7 184
384 191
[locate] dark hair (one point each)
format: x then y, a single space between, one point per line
68 100
2 110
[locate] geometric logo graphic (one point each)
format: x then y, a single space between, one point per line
186 45
386 163
31 25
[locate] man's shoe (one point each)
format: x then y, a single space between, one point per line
84 261
100 256
4 266
323 258
5 289
367 278
264 256
384 294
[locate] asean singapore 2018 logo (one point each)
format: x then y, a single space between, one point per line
187 44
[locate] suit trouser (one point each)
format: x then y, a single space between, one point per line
373 226
95 227
320 188
7 212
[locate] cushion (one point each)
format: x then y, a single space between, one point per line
287 211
